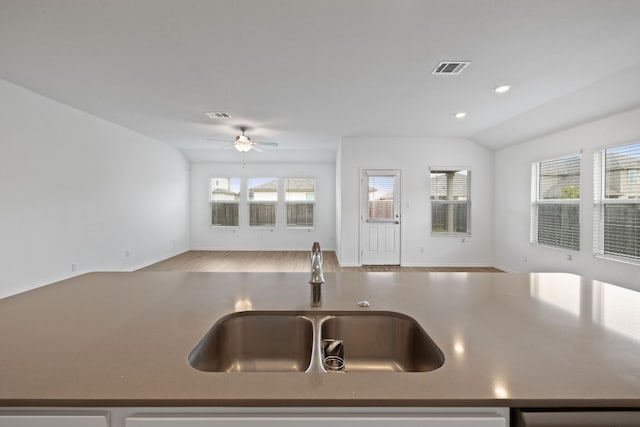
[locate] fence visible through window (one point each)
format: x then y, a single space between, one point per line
300 197
380 197
449 201
224 197
263 199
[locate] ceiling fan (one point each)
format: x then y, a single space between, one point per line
244 143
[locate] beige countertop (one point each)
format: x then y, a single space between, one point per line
122 339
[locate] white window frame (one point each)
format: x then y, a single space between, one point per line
299 202
536 202
214 202
599 205
467 202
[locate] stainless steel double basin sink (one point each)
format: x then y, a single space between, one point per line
269 341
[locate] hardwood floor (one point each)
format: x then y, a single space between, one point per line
277 261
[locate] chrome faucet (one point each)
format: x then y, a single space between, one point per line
317 277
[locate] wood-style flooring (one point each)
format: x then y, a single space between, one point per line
278 261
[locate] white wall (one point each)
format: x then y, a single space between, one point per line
338 197
512 191
414 156
75 189
206 237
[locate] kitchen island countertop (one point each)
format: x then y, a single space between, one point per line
518 340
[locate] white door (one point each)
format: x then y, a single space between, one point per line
380 218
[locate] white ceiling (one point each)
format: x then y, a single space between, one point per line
308 73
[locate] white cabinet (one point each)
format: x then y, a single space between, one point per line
431 420
53 420
254 417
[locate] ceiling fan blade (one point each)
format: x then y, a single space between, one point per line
256 148
267 144
219 140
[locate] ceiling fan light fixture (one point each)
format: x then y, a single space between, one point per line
243 143
243 139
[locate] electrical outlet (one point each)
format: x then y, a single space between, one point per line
569 257
127 253
74 268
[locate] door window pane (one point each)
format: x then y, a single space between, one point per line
380 198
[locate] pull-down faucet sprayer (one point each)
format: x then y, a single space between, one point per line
317 277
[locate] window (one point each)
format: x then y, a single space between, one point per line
617 200
263 199
300 197
450 201
555 207
381 197
224 198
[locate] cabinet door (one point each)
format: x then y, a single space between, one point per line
34 420
445 420
577 418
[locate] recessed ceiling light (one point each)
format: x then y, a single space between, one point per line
460 115
502 89
218 115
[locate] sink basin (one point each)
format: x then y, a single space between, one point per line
383 341
370 341
256 342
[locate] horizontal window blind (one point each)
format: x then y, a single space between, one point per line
559 179
380 197
617 202
449 185
555 213
450 201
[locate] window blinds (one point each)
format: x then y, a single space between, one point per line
555 216
450 201
380 197
300 196
617 202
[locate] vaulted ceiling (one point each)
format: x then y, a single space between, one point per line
308 73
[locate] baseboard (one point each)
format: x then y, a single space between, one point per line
505 269
449 264
324 249
155 260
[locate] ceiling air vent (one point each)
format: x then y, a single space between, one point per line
218 115
450 67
